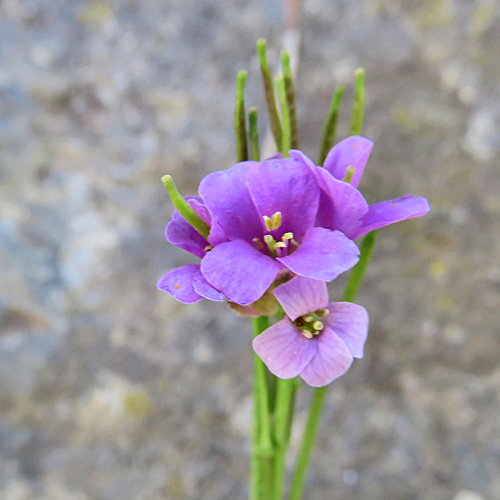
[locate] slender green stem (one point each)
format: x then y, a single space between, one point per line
319 395
184 208
285 404
290 97
358 271
330 127
262 448
240 118
285 116
253 133
358 105
267 80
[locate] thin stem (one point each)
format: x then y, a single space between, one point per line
240 118
184 208
358 271
330 127
319 395
267 80
290 97
285 117
285 404
253 133
358 105
262 449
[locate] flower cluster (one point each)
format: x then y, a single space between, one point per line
283 228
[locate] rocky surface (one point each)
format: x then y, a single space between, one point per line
110 389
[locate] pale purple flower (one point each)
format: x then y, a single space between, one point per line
262 217
317 339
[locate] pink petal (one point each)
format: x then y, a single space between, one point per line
284 350
301 296
332 360
350 322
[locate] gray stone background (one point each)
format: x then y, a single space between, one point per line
111 390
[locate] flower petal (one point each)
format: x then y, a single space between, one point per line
226 196
341 207
323 255
332 360
180 233
287 186
355 151
239 271
284 350
350 322
178 282
391 211
205 289
301 296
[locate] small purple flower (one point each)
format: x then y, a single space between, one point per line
262 217
343 207
317 339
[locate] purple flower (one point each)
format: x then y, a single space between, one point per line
282 215
262 217
317 339
343 207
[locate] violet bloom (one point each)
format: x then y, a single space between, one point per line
317 339
262 218
343 207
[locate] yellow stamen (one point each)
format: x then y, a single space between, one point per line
322 312
208 248
308 319
280 244
268 222
276 220
317 325
287 236
307 334
259 243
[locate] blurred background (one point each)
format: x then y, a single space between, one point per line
112 390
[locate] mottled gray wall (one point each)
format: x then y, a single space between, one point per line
111 390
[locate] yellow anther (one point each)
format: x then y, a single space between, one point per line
280 244
308 319
269 240
307 334
322 312
317 325
276 220
287 236
268 222
349 173
208 248
259 243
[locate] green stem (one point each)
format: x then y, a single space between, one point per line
267 80
358 105
184 208
285 117
253 133
330 127
319 395
358 271
285 404
290 97
262 449
240 118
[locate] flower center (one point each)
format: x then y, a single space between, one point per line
310 324
277 248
